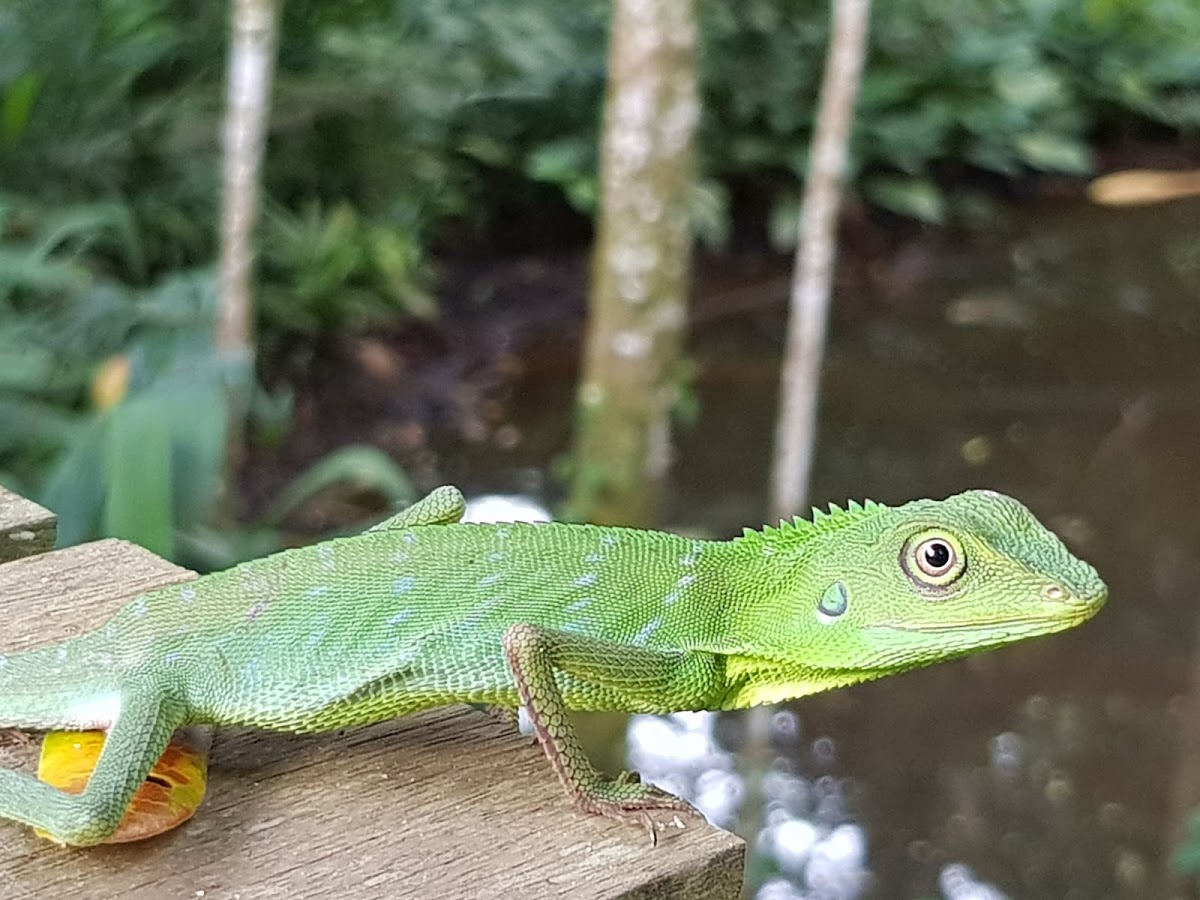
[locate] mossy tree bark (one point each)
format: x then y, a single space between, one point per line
640 263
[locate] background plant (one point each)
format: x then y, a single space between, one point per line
399 126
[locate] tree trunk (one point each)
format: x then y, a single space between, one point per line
640 264
254 26
795 435
253 34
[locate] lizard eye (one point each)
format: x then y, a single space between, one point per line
933 558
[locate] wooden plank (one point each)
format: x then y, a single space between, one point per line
25 527
450 803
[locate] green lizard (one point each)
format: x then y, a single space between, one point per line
424 611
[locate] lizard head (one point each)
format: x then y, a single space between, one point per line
870 590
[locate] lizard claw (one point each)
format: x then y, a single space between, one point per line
627 799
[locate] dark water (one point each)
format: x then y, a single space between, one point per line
1056 358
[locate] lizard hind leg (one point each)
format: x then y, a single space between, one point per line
533 655
138 736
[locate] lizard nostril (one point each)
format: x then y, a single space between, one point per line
1053 592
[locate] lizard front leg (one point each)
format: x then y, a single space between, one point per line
443 505
170 795
646 677
176 784
137 738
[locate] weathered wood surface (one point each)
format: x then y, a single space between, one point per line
447 804
25 527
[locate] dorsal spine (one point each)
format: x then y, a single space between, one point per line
823 521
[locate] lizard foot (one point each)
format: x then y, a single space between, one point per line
627 799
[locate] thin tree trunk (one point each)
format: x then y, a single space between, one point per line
795 436
253 34
253 37
640 263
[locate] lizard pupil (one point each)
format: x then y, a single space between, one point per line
935 557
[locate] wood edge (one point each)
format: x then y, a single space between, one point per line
26 528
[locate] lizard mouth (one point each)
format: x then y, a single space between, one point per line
1068 611
1023 625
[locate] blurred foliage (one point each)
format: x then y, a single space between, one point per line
412 116
114 402
1186 859
1003 86
327 274
357 468
403 118
396 125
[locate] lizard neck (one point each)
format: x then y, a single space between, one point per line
771 631
762 579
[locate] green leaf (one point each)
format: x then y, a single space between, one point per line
708 210
18 100
1186 858
571 165
398 260
196 414
137 473
917 198
1029 85
23 267
208 550
1055 152
783 222
75 487
24 422
24 367
359 465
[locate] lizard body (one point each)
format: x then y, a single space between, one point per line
423 611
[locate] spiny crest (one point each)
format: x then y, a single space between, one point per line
823 521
